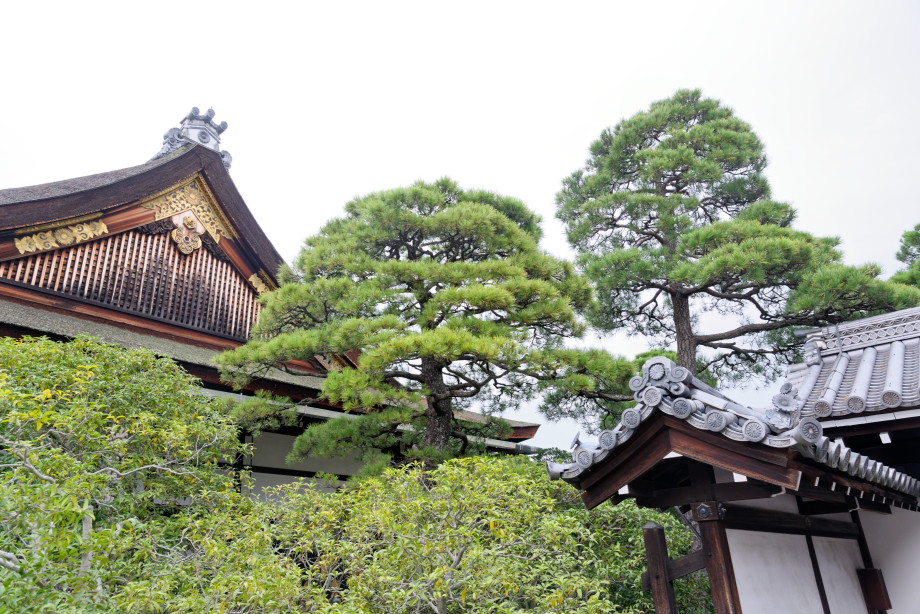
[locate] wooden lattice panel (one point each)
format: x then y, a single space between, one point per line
147 275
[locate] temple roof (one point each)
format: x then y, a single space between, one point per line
665 388
66 187
111 192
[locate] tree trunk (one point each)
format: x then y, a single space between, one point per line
683 327
440 409
86 559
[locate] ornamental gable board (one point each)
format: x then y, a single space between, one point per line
170 241
172 269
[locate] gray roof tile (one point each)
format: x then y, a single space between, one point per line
868 365
673 390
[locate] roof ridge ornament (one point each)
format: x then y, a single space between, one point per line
198 129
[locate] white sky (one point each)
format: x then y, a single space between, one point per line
328 101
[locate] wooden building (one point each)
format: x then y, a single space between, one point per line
167 256
807 505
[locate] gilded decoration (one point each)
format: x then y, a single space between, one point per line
61 236
192 195
258 284
186 234
262 282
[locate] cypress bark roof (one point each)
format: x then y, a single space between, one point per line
61 200
66 187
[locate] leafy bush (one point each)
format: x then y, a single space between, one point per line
111 496
477 535
114 497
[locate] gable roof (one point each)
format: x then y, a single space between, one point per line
669 390
66 187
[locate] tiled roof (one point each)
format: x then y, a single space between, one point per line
673 390
868 365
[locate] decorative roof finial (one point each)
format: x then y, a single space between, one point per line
198 129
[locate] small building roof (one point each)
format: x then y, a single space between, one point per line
667 389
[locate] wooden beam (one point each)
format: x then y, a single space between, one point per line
760 466
750 519
809 491
715 441
874 590
654 450
817 508
873 428
679 567
656 553
105 314
730 491
812 474
636 449
816 569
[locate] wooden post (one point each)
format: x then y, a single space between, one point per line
725 599
656 552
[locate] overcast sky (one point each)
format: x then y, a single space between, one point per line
328 101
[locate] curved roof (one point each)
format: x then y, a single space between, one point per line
61 200
667 388
66 187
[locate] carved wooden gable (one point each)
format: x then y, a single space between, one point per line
168 265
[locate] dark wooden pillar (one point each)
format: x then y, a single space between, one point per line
708 514
656 552
870 579
722 583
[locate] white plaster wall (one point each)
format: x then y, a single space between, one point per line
773 572
894 544
838 560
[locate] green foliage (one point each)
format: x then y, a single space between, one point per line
474 535
909 254
593 386
672 219
909 251
111 497
448 298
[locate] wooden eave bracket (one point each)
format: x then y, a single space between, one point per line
866 495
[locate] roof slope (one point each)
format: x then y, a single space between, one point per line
667 388
21 208
66 187
868 365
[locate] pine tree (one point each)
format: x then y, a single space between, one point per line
448 299
672 220
909 254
